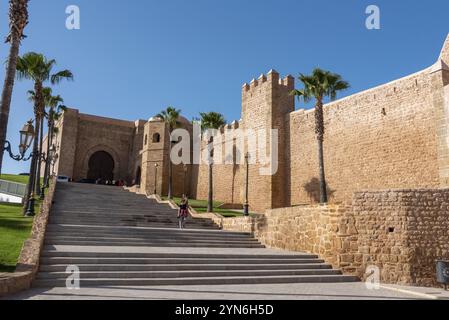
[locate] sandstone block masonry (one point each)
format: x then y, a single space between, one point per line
401 232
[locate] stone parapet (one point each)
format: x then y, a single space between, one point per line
401 232
28 262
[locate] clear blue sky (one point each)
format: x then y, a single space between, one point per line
133 58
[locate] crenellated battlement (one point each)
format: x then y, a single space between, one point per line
273 78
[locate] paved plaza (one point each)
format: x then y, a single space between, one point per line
292 291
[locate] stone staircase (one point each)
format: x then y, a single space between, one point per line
117 238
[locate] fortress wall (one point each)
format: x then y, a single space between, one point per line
227 178
398 232
378 139
66 141
111 137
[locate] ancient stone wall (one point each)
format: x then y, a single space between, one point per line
402 232
28 262
81 135
227 170
381 138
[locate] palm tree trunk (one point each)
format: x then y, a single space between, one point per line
49 144
31 180
210 199
319 130
39 160
7 90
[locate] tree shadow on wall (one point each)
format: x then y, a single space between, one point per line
313 190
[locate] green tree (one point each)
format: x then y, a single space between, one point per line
55 108
171 118
37 68
211 120
319 85
18 20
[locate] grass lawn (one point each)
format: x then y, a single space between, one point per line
14 230
200 206
14 178
224 212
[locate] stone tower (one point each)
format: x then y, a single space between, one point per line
266 104
155 144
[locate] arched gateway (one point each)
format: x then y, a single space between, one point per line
101 166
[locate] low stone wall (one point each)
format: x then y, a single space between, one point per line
28 263
402 232
320 230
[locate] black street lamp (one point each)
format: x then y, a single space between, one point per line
26 138
173 141
246 205
27 135
185 175
155 178
46 158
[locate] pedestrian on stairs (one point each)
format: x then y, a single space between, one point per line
183 211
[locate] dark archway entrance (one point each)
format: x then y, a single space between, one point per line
101 166
138 176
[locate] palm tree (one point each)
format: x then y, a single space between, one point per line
55 110
319 85
18 19
170 116
53 103
46 93
211 120
36 67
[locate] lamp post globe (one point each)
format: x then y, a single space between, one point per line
26 137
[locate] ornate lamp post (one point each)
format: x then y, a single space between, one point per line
246 205
47 159
155 178
27 135
26 138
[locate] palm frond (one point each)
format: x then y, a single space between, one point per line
61 75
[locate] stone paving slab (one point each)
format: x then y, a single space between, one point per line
313 291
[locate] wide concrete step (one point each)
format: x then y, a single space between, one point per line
173 261
154 240
137 230
183 267
139 224
125 222
154 244
187 274
50 283
270 257
120 217
141 235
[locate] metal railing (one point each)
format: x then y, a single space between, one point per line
12 188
